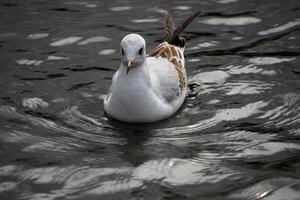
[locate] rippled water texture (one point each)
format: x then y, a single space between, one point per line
236 137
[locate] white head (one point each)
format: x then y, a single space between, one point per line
133 51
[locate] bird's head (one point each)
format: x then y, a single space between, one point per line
133 51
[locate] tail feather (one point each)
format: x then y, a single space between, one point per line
172 34
169 26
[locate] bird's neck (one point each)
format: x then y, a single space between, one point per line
140 74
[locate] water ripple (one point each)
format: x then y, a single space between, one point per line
149 20
94 40
6 186
57 58
283 114
246 87
182 8
25 61
226 1
107 52
264 189
178 173
250 69
65 41
37 36
233 21
280 28
71 118
232 114
269 60
120 8
34 102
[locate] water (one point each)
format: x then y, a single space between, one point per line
236 137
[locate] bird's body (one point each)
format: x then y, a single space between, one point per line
148 88
146 94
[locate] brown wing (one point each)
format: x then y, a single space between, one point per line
173 54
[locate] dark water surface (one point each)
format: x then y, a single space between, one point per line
236 137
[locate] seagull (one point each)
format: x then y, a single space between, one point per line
149 87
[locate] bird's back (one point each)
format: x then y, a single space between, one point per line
166 62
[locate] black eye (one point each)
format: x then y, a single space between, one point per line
122 51
141 51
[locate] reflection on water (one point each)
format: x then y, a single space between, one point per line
234 21
236 137
280 28
65 41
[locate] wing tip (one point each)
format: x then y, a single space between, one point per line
173 36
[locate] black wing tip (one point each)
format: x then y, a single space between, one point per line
197 13
179 42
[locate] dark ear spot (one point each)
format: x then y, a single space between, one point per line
122 51
141 51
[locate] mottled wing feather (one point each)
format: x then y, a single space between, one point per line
173 55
